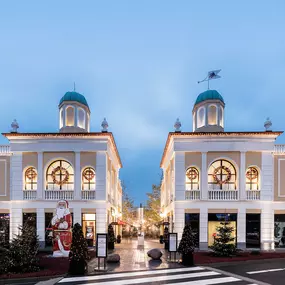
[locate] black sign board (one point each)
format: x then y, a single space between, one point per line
101 245
172 239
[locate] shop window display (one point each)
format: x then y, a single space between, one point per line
279 230
88 227
253 230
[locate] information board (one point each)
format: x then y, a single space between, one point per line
101 245
172 242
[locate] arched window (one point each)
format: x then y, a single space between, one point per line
31 179
252 178
81 118
212 115
192 178
222 175
88 178
201 117
60 176
221 116
69 116
60 118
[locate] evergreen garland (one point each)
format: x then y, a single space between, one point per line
224 244
78 252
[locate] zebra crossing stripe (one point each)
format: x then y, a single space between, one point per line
157 278
130 274
208 281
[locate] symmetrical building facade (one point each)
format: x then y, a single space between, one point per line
211 175
74 164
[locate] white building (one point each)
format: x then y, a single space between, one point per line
82 167
210 174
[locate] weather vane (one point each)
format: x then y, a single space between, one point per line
211 75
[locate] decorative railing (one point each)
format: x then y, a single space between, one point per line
88 195
253 195
59 195
30 194
223 195
5 150
192 195
279 149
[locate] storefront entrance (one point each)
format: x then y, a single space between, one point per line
253 230
193 220
89 228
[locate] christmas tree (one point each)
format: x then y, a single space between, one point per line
187 245
78 252
165 238
224 244
111 237
21 254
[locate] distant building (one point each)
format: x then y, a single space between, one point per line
211 175
74 164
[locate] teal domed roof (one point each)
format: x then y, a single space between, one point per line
209 95
73 96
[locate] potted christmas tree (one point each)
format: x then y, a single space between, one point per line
78 252
165 238
111 237
187 246
224 244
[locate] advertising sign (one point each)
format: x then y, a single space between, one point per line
172 242
101 245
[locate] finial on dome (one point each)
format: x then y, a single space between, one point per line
104 126
15 126
177 126
74 89
267 125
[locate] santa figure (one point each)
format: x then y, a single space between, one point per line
61 225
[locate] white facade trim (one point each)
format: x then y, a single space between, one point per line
5 184
279 175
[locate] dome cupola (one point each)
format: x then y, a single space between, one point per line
208 112
74 113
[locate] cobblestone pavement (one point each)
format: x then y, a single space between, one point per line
135 258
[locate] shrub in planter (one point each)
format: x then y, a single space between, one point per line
119 239
187 246
111 237
161 239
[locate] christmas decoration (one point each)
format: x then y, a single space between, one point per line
31 173
111 237
222 169
187 245
224 244
88 174
251 173
165 238
192 173
64 175
20 255
78 252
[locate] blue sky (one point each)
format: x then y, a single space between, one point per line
138 63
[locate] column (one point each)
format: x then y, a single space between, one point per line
203 243
101 175
16 174
40 186
77 180
179 175
16 220
204 177
267 228
242 190
77 216
41 226
101 220
267 166
178 220
241 229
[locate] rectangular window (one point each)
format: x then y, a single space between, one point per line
279 230
4 228
253 230
193 220
89 228
48 229
30 219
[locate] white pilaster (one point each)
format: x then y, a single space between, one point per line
77 180
77 216
178 220
204 177
242 191
40 186
267 165
101 175
203 243
267 228
41 226
241 228
16 174
16 220
179 174
101 220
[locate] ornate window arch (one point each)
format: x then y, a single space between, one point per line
69 116
212 115
201 117
31 178
192 178
60 176
222 175
81 118
88 178
252 178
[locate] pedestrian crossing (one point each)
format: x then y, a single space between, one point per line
177 276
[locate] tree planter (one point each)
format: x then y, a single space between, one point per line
111 245
188 259
166 245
